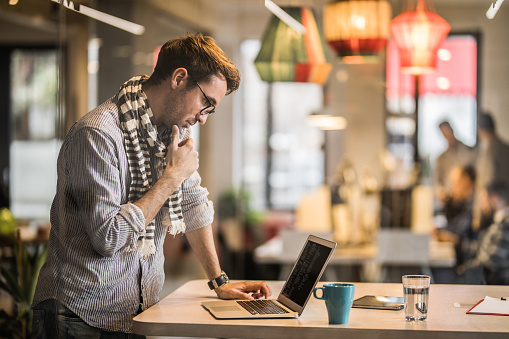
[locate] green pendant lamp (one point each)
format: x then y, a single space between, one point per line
289 56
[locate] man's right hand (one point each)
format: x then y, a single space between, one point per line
181 162
181 159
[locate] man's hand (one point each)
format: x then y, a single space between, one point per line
244 290
181 162
182 158
446 236
461 269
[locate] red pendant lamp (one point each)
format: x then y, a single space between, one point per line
418 35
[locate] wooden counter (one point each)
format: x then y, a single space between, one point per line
180 314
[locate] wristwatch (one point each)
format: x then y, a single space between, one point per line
219 281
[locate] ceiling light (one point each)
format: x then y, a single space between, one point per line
443 83
444 54
285 17
492 11
327 122
125 25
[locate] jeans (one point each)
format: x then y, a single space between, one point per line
53 320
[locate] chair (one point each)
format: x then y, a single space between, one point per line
401 252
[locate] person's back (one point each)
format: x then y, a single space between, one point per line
495 245
488 257
492 164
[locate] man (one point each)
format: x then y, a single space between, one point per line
456 154
127 176
489 256
492 164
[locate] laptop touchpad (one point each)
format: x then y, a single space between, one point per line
225 309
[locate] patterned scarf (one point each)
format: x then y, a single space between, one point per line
140 135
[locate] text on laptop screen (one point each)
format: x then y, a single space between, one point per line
306 272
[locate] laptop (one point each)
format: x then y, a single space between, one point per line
295 293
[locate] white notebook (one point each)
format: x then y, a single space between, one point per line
494 306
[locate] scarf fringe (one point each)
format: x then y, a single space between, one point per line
146 247
174 227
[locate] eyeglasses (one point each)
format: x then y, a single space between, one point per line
210 108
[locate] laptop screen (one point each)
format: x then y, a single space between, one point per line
306 272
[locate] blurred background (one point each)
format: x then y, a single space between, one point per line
273 172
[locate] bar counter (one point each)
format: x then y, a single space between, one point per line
181 314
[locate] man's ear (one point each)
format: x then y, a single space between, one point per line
178 76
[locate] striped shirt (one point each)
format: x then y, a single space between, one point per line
92 267
491 251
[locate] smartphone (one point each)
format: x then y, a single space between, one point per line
379 302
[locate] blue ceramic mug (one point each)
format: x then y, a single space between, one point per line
338 300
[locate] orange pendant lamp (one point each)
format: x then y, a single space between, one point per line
357 29
418 35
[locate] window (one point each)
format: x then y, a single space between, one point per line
33 145
448 94
283 156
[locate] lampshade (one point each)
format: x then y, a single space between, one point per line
418 35
286 55
357 27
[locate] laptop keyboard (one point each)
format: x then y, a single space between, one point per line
262 306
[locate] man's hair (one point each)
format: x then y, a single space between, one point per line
469 172
485 122
200 56
499 189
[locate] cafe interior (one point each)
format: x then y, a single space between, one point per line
333 132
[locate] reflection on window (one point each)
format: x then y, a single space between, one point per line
34 148
282 154
448 94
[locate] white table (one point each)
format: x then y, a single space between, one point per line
441 255
181 314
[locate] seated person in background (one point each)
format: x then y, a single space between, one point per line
488 260
454 221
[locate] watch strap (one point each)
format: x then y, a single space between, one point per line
219 281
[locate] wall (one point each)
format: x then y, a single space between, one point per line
357 92
222 152
360 98
494 81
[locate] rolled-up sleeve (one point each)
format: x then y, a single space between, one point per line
134 217
197 209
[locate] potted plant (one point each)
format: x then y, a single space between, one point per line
19 279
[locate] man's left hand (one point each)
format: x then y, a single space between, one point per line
244 290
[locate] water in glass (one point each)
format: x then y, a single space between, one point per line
416 302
